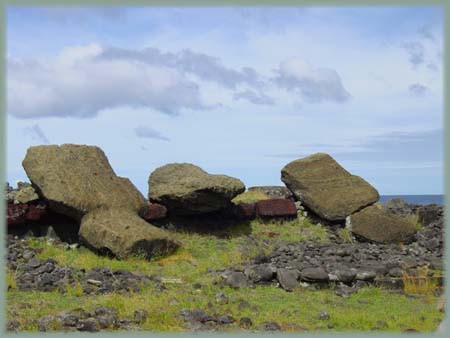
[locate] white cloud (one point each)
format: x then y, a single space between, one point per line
313 84
79 84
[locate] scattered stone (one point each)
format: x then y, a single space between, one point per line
187 189
396 272
88 325
287 279
430 213
270 326
326 188
314 275
222 298
323 316
245 323
225 319
260 273
140 316
345 291
13 325
243 304
236 280
376 224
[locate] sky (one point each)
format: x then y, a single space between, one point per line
240 91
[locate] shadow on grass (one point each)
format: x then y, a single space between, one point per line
210 224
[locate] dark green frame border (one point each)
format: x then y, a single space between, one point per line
220 3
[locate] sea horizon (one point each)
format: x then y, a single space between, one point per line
416 199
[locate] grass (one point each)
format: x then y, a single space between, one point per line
10 280
420 283
414 220
250 196
200 252
346 235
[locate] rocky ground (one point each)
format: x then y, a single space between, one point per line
352 265
340 265
88 252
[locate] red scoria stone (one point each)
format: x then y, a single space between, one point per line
245 210
16 213
154 211
276 207
35 212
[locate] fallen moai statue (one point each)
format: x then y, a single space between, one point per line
78 181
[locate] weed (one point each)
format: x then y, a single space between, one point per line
420 283
345 235
11 281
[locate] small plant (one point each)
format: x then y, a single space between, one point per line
346 235
420 283
75 290
11 281
414 220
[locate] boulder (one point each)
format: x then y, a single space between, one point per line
78 181
314 275
186 189
377 224
326 188
287 279
276 208
124 233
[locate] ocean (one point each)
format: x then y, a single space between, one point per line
415 199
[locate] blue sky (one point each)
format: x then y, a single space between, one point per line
240 91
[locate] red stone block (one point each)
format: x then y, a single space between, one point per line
154 211
276 208
35 212
16 213
245 210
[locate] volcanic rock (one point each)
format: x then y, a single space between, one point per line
78 181
186 189
377 224
287 279
326 188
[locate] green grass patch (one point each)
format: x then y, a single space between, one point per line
250 197
370 309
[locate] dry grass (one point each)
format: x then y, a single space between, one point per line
421 283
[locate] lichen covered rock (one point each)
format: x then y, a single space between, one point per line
326 188
78 181
187 189
377 224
